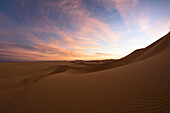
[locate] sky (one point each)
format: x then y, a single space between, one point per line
36 30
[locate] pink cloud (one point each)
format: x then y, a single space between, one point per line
164 28
4 32
76 44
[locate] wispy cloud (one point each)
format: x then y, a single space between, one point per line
51 37
4 32
164 28
67 29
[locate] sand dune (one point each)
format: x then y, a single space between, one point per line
137 83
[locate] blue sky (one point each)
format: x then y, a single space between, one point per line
79 29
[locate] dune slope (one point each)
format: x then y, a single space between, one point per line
138 55
151 50
138 83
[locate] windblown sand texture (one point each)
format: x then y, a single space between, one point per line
137 83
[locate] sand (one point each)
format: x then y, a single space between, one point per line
137 83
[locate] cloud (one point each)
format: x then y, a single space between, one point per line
126 8
164 28
67 29
59 28
103 54
4 32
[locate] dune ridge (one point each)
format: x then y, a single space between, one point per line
138 83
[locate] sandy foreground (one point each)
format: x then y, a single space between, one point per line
137 83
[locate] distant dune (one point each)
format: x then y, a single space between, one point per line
137 83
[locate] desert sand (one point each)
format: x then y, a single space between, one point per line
137 83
